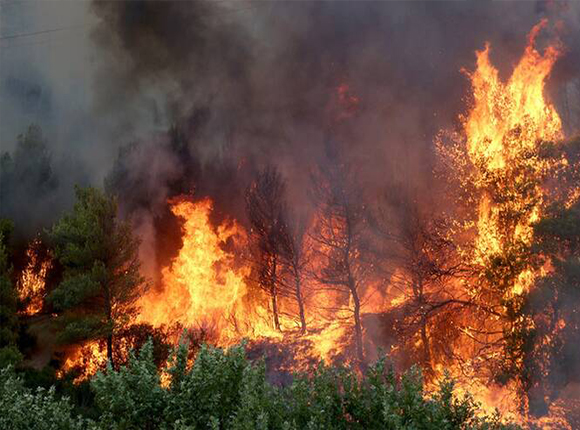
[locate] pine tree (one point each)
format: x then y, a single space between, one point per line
101 279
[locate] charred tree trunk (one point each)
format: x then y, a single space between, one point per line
110 350
358 335
274 294
425 340
419 294
109 313
275 308
300 301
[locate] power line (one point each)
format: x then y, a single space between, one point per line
37 42
52 30
72 27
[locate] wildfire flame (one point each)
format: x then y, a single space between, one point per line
503 130
32 281
203 288
497 157
206 288
509 118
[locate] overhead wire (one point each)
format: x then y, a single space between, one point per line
52 30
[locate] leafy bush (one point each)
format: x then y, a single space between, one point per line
24 409
223 390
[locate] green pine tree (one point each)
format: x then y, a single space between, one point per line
551 353
101 279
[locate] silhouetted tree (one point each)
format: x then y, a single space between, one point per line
339 237
266 209
26 179
294 258
416 243
101 279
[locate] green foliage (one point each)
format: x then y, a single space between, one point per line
101 279
210 390
132 397
24 409
223 390
9 353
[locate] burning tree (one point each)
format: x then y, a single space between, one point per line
31 284
266 211
550 352
417 244
339 238
501 159
101 279
295 258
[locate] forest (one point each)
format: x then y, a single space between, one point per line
298 235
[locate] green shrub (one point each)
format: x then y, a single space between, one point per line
223 390
24 409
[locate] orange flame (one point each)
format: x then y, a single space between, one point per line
510 118
87 359
202 287
32 282
207 285
498 155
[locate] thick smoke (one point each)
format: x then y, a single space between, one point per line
209 92
245 84
256 83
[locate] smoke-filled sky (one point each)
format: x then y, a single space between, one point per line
250 83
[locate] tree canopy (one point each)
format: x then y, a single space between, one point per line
9 353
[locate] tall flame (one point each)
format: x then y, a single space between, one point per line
498 156
202 287
504 130
509 118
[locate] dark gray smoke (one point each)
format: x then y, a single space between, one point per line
198 95
250 83
243 84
